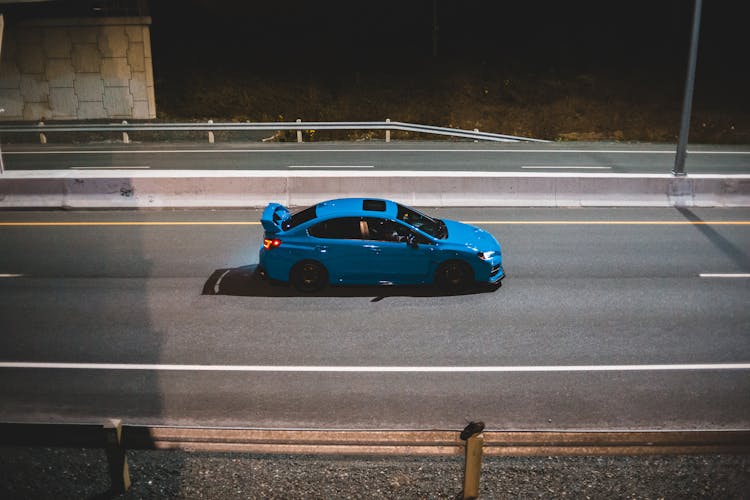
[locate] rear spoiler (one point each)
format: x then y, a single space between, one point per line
273 215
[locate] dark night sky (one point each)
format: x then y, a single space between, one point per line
574 34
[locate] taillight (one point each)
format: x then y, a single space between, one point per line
269 243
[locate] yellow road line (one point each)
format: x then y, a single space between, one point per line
476 222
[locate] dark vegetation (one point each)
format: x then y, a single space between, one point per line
584 70
578 70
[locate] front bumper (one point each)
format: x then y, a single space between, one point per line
497 278
491 271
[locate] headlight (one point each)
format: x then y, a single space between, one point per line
485 255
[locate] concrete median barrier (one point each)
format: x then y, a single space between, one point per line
127 189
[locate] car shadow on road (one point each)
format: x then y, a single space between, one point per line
246 281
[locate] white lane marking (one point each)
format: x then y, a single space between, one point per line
378 369
568 167
500 151
12 275
217 286
124 167
331 166
718 275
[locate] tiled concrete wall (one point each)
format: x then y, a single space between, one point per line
66 69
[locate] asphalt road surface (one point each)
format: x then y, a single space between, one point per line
609 319
429 156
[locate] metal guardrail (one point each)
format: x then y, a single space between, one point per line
474 442
299 126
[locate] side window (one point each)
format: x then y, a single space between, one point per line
344 228
387 230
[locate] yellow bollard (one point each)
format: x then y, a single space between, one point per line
473 468
474 438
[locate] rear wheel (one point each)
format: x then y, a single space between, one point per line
454 276
308 276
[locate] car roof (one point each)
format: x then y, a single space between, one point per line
357 207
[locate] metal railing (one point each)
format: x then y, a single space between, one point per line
299 126
474 442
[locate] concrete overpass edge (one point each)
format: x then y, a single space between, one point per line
124 189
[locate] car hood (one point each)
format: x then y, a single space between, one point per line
464 234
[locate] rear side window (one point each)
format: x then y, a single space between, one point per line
343 228
300 218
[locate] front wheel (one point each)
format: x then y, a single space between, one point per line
454 276
308 276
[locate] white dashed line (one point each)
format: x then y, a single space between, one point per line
217 286
331 166
123 167
549 167
715 275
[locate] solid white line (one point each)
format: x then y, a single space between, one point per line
377 369
110 168
715 275
12 275
568 167
331 166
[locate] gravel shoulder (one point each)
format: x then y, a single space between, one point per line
82 473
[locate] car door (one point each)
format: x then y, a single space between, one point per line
402 256
337 244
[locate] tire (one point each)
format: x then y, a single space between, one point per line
308 276
454 276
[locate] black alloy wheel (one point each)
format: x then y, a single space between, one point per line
454 276
308 276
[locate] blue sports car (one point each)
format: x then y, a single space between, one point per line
366 241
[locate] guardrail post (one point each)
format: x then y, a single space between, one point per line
387 132
211 138
118 462
299 132
42 135
125 136
476 130
474 438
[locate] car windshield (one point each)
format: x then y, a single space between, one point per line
300 218
433 227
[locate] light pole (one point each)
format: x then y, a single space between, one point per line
2 29
687 104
